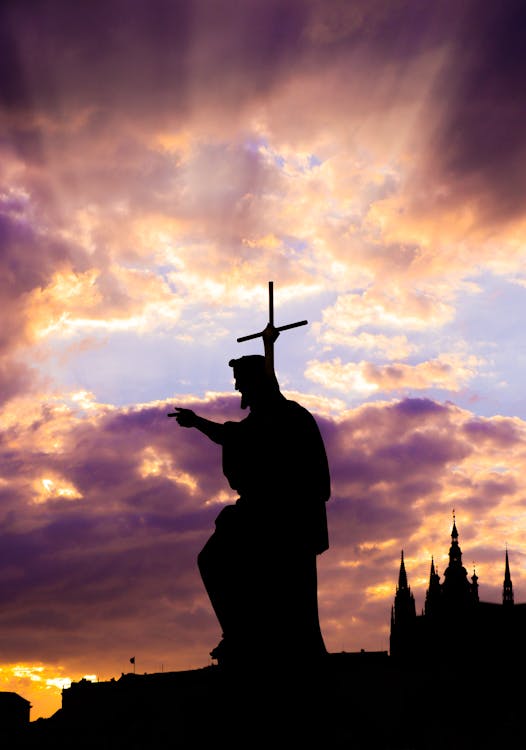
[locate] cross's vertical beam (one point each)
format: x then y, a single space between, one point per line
267 340
268 343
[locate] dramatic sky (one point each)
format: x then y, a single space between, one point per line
160 162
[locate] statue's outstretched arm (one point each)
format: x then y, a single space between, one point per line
188 418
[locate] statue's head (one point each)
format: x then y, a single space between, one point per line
252 380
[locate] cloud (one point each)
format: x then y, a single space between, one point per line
398 308
164 183
391 347
480 143
28 260
449 372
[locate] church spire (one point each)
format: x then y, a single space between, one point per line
403 614
456 588
454 532
474 585
433 573
404 604
507 589
433 593
455 553
402 575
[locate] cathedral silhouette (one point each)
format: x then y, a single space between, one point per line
454 621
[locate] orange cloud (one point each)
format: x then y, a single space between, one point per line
448 371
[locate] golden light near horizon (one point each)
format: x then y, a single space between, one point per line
44 683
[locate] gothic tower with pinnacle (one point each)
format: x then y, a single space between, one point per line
454 622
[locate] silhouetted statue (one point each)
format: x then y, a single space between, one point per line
259 565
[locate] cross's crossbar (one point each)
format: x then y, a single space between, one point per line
278 328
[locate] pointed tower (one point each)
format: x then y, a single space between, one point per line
433 593
474 586
404 606
403 615
507 589
456 589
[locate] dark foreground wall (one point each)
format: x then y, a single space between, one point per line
349 701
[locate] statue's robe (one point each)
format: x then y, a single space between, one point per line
259 566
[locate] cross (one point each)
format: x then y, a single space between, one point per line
270 351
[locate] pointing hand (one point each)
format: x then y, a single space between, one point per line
184 417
